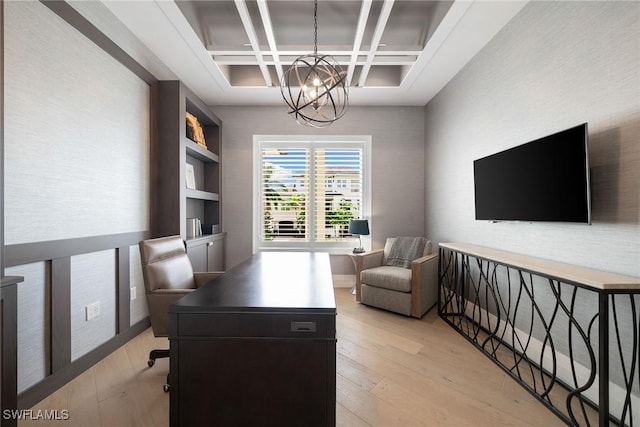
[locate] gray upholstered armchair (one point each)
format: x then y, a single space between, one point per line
411 290
168 276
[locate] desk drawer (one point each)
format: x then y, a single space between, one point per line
254 325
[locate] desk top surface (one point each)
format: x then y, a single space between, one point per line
268 281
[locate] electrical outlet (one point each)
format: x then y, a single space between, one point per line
92 310
133 292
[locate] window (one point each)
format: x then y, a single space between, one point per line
307 189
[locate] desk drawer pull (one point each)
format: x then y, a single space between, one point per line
303 326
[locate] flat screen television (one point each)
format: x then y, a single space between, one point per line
542 180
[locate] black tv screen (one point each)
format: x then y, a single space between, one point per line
542 180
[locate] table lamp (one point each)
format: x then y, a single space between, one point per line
359 227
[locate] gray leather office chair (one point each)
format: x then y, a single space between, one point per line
168 276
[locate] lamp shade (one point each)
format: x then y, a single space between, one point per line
359 227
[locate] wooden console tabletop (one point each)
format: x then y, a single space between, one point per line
596 279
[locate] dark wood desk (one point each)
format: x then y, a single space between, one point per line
257 346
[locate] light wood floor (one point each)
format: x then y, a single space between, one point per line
391 371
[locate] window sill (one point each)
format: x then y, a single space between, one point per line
330 251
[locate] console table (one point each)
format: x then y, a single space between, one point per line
257 345
569 335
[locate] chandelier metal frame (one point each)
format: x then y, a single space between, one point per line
315 87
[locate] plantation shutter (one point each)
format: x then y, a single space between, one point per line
338 191
285 193
308 192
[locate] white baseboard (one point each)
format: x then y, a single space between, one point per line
344 280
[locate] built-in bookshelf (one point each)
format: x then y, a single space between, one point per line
187 175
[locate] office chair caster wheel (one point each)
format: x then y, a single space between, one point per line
165 388
151 362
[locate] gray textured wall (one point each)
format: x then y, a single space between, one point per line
397 159
77 164
556 64
76 133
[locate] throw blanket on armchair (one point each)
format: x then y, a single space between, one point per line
404 250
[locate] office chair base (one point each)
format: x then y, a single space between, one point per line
156 354
165 386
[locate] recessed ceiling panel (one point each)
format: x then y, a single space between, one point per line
293 23
243 75
372 20
384 76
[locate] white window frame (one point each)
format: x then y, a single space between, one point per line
336 141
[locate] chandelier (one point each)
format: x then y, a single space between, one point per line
315 87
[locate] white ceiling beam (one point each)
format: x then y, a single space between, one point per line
375 41
357 42
253 39
254 62
268 29
412 49
223 53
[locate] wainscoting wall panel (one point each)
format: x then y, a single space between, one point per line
34 325
93 278
139 308
56 343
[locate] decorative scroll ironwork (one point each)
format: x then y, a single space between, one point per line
575 348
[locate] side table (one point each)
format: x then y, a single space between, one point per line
357 264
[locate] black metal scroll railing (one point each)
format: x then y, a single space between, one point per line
574 347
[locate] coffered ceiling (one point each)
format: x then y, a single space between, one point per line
253 42
394 52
